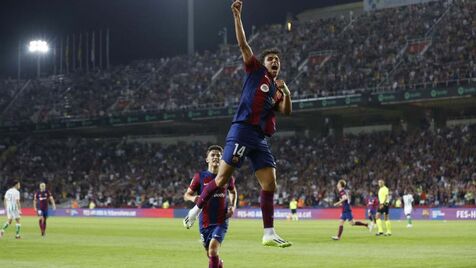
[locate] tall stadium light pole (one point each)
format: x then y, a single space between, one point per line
191 46
39 48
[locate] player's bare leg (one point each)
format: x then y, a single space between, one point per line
267 179
222 178
214 259
358 223
341 229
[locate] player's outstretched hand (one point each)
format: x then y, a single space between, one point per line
236 7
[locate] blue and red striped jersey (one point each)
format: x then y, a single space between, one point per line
346 203
259 98
372 203
214 212
42 198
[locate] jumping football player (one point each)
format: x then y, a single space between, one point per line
254 120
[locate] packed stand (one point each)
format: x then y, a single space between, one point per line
451 55
343 56
437 167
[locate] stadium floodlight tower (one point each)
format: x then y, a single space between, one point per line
40 48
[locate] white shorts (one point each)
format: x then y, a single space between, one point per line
13 214
407 211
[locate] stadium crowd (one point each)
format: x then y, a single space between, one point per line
438 167
344 55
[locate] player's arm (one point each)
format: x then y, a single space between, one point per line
190 195
344 197
233 196
34 203
52 200
245 48
285 106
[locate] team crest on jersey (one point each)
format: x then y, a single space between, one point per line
264 88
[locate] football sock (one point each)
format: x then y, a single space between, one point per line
213 262
41 224
206 194
5 226
267 208
358 223
44 225
389 227
341 229
379 225
17 229
409 218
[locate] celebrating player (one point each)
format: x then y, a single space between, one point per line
214 217
13 208
254 119
372 206
40 205
346 210
384 200
408 207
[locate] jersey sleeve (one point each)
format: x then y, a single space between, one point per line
231 185
253 65
195 184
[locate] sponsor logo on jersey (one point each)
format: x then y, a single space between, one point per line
264 88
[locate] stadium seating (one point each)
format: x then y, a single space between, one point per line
437 166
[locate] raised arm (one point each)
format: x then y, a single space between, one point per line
285 107
245 48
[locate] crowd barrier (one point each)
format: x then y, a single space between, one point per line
255 213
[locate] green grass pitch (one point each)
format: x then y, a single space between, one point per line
106 242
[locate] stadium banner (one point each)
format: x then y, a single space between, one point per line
436 214
370 5
304 214
324 103
444 213
105 212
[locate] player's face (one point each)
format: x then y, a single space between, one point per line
213 158
272 64
380 183
17 186
42 187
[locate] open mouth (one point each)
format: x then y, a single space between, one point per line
274 67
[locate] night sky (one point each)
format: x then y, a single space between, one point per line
139 28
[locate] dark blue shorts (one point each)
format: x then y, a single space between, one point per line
247 141
43 212
217 232
372 212
346 216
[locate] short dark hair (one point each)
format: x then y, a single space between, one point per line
14 182
214 148
268 51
